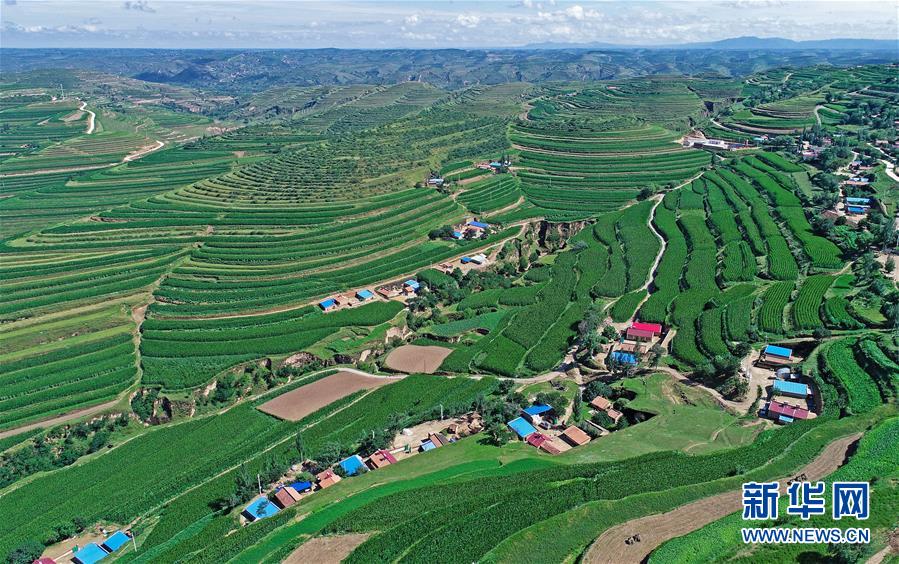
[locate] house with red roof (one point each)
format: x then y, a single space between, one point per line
784 412
380 459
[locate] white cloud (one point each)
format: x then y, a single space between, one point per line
468 20
412 19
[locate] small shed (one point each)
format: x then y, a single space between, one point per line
89 553
44 560
260 508
479 258
465 260
575 436
536 439
328 305
521 427
458 235
115 541
363 295
614 414
858 210
427 445
538 409
792 389
352 464
439 439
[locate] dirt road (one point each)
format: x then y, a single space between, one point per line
654 530
59 419
91 119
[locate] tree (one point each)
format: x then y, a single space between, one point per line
300 445
554 399
244 486
25 553
655 354
597 388
330 453
577 408
497 433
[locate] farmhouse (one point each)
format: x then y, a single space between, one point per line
390 290
327 478
856 210
89 554
352 464
861 202
259 508
286 496
521 427
601 403
435 182
654 328
328 305
363 295
772 354
535 413
575 436
380 459
410 286
791 389
115 541
784 412
479 259
639 335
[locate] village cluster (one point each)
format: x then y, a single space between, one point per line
289 492
471 229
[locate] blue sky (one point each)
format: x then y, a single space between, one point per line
434 24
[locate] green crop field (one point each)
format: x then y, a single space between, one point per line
168 241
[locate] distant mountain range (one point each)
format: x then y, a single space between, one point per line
748 43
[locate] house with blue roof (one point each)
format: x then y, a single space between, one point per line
301 486
858 201
328 305
857 210
352 464
535 413
260 508
791 389
116 541
89 553
363 295
458 235
411 286
521 427
772 354
478 224
624 357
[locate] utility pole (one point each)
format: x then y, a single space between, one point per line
259 482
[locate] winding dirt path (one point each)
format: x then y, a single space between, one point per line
91 120
143 152
654 530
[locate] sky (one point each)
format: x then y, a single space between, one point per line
429 24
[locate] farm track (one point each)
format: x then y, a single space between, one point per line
91 120
579 154
59 419
654 530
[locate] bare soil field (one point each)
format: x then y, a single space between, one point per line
326 550
416 358
610 547
298 403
